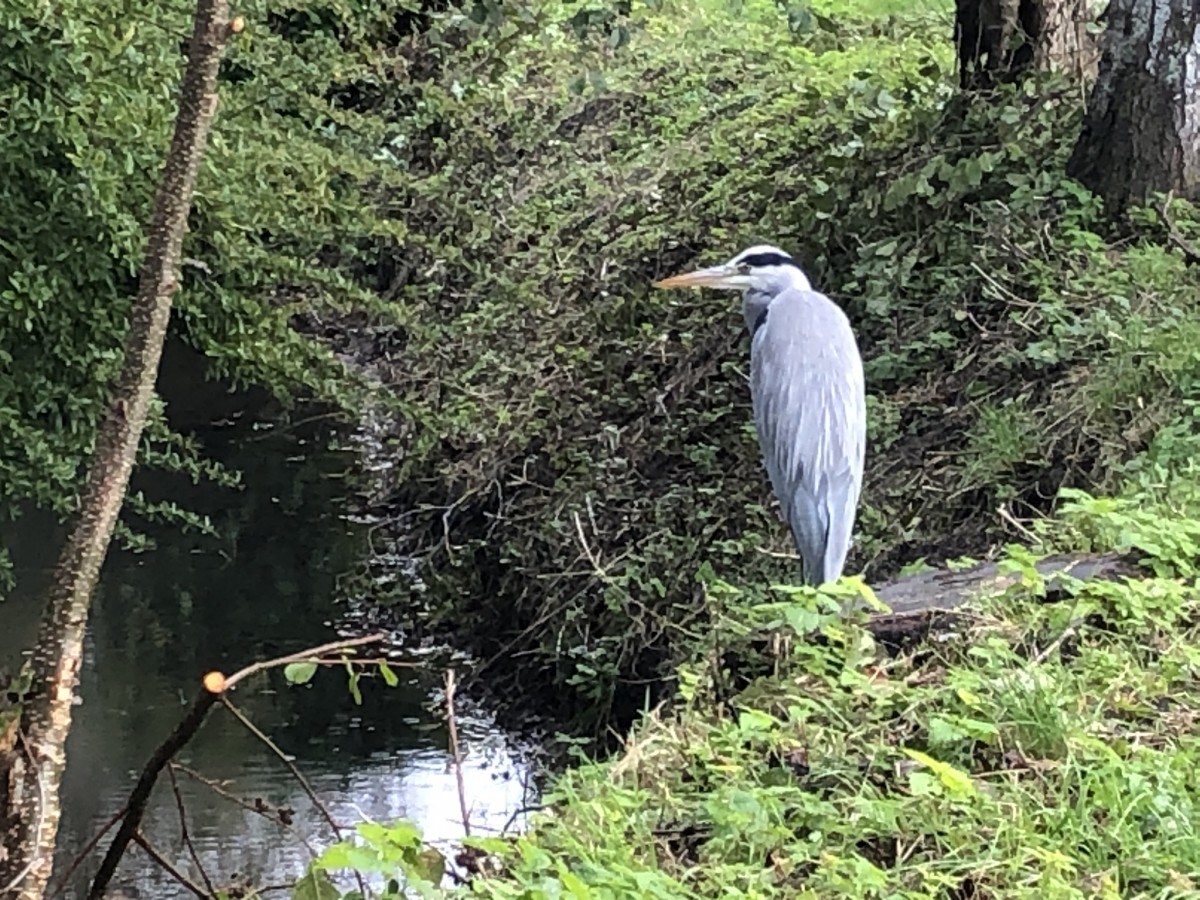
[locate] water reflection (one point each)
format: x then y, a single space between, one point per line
270 586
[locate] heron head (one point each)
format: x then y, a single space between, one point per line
760 268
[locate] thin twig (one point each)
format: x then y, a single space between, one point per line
299 776
215 686
524 810
246 805
300 656
140 840
292 426
85 852
1008 517
140 795
1057 642
597 569
778 554
183 832
361 662
454 750
274 748
1190 253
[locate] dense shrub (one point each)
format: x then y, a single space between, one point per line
87 93
581 446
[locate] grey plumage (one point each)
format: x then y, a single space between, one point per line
809 399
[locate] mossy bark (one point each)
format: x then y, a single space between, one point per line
31 768
1142 130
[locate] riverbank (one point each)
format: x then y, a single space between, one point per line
568 456
1032 749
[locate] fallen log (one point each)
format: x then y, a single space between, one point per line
931 601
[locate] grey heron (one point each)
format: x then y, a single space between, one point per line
806 386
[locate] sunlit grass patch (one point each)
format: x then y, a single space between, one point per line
1037 750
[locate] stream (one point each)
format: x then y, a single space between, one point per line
273 583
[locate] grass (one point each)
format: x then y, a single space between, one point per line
1036 750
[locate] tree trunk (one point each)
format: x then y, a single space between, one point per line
1141 134
32 762
999 40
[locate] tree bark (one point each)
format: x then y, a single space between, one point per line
31 769
1141 134
1000 40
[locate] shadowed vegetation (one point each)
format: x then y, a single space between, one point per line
581 447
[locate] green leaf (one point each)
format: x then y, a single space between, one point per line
943 731
315 885
345 855
756 720
429 864
956 782
299 673
389 677
573 883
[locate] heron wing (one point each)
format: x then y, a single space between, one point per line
806 382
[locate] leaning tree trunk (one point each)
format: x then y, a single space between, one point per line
32 756
1000 40
1142 130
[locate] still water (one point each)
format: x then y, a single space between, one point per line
278 580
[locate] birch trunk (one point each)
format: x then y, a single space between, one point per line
1142 130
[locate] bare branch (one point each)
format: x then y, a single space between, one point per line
310 655
135 807
140 840
184 836
215 687
86 851
299 776
454 750
259 809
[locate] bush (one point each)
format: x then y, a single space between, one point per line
580 448
88 94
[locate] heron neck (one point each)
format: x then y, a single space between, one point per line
754 308
756 299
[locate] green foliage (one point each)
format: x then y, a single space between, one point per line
394 851
299 673
1040 740
472 204
89 98
580 446
1035 750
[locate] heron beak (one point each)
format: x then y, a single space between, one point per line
717 276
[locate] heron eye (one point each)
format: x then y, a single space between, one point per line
743 269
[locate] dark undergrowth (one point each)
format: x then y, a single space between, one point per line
578 454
